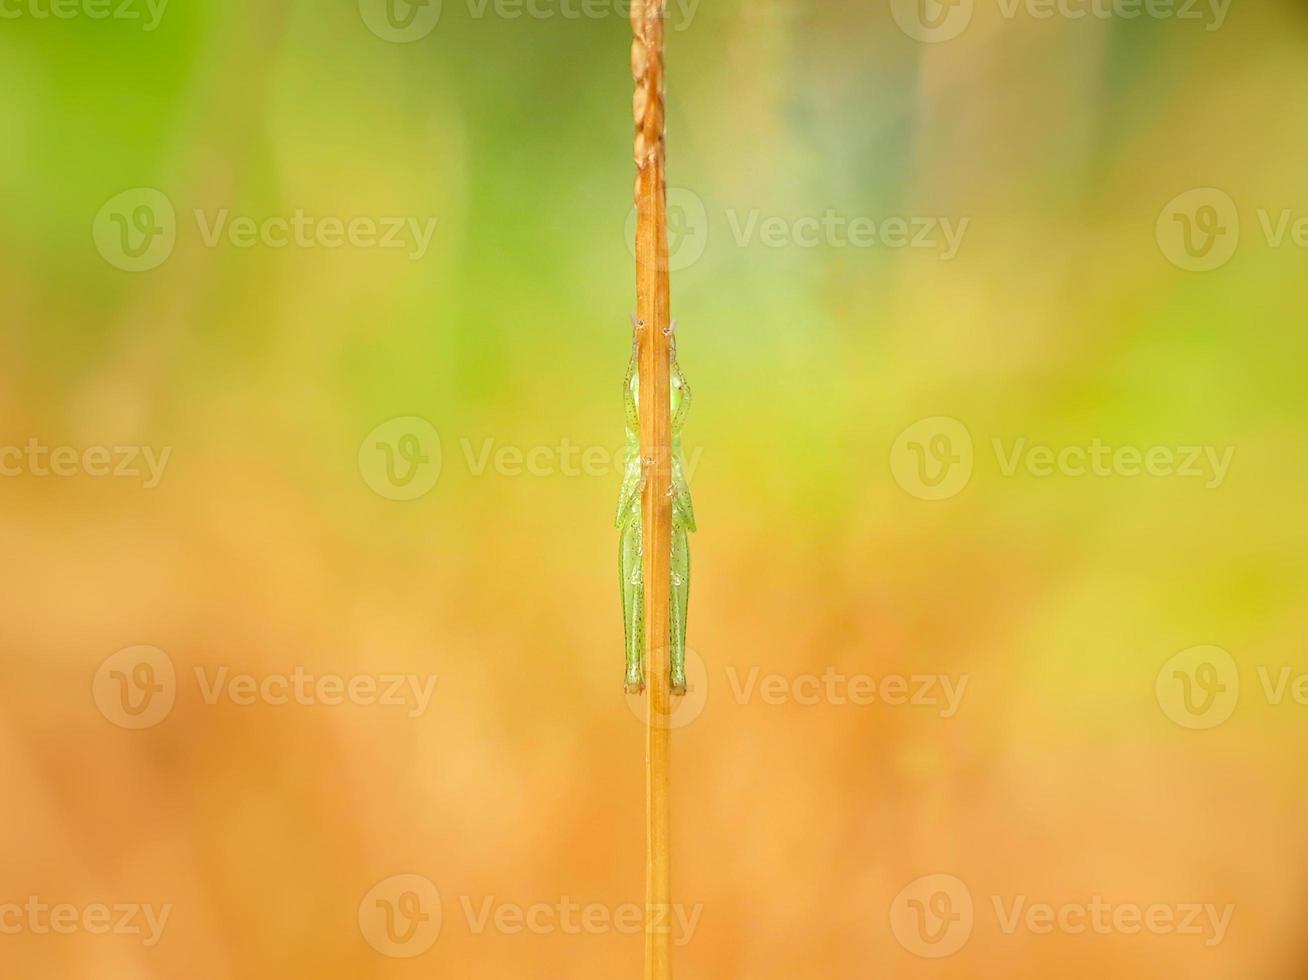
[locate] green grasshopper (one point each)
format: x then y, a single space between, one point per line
631 573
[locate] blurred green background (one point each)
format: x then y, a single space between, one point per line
875 443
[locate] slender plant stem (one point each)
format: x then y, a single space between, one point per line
653 309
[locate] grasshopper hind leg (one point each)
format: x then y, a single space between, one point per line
680 600
632 581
